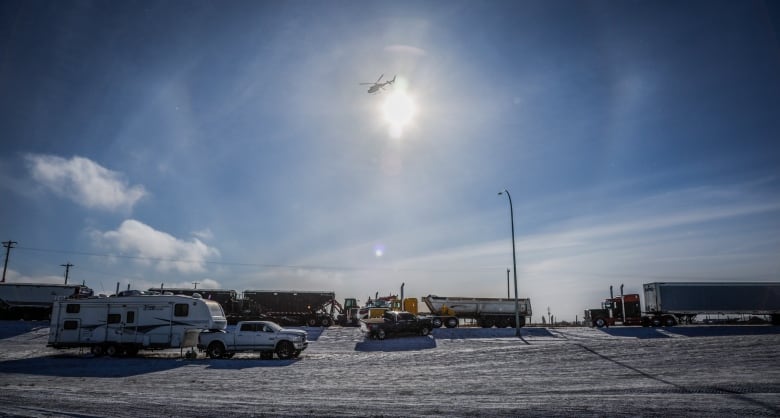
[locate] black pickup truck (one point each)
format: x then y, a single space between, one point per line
396 323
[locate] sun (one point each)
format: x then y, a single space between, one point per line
398 110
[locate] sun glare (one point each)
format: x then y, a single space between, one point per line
398 110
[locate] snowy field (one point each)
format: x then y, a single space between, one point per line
682 371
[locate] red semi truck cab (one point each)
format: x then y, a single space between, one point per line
612 310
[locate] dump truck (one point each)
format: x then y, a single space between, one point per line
289 307
668 304
487 312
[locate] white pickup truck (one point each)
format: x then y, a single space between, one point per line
262 336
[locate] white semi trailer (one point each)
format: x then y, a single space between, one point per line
488 312
126 324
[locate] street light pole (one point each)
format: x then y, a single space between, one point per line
507 283
514 262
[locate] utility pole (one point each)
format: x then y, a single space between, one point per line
8 245
196 284
67 269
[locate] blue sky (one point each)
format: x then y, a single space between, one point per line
230 144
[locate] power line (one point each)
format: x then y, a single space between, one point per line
262 265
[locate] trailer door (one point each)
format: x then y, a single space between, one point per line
114 325
130 327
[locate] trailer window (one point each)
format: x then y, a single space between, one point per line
181 309
130 317
70 325
72 308
114 318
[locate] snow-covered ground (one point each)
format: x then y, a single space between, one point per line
691 371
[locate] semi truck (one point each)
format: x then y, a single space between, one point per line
35 300
123 325
289 307
487 312
668 304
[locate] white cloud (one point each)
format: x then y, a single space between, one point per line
160 249
85 182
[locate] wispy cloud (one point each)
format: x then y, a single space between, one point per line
152 247
84 181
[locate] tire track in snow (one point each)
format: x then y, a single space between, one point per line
738 395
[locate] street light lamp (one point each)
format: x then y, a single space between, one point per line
514 262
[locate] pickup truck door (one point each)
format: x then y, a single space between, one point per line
266 337
246 336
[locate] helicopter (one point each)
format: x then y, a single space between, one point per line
376 86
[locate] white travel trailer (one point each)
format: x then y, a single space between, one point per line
125 324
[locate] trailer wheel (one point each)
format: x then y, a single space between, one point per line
502 322
424 331
669 321
112 350
436 322
488 323
451 323
600 323
215 350
284 350
655 321
381 334
97 350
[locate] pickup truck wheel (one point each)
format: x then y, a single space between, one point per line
437 322
424 331
381 334
285 350
215 350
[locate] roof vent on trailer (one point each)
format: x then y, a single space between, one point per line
197 295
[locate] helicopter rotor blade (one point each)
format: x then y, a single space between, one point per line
380 77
